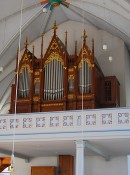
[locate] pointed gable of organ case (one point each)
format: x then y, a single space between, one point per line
58 81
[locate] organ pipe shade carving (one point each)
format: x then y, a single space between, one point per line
84 78
54 56
24 84
54 80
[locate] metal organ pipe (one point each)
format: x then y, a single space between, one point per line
24 83
62 82
88 85
28 79
23 78
80 80
45 84
57 79
85 80
53 81
90 79
54 86
49 80
52 76
86 76
58 84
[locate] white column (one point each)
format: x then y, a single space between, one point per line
80 144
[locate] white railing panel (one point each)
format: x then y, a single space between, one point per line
89 124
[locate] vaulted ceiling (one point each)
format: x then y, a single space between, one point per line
112 16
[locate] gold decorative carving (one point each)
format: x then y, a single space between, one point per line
70 77
25 66
87 61
54 104
36 80
85 58
37 73
23 100
26 43
85 96
54 46
84 51
54 56
40 70
84 35
65 68
36 98
71 96
25 57
71 69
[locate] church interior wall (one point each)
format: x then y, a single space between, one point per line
127 76
94 165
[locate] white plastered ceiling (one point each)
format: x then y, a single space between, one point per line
111 16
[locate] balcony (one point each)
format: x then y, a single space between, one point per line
70 125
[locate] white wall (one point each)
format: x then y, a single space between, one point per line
94 165
128 157
127 76
21 167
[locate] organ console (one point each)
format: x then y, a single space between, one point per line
58 81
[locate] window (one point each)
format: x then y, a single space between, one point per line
108 90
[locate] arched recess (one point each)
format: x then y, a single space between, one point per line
54 77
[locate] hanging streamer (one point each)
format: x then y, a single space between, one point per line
15 109
83 27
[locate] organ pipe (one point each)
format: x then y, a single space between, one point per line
85 80
53 81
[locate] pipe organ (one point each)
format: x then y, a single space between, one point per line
58 81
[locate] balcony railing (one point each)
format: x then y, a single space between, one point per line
87 124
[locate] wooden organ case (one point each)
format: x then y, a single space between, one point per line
58 81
